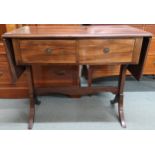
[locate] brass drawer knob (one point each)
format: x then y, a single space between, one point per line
48 51
106 50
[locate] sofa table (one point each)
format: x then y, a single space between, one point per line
76 46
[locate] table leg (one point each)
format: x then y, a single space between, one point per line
119 97
31 113
115 100
121 111
31 96
90 77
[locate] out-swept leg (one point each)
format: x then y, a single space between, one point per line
121 111
89 77
115 100
31 113
119 97
31 96
122 77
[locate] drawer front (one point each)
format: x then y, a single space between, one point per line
5 77
104 71
152 47
86 51
59 76
106 51
3 58
2 49
150 65
46 51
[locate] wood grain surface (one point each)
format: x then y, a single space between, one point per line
77 32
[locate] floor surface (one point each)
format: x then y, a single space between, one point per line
94 112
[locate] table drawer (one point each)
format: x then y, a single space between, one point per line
152 47
106 51
46 51
2 48
104 71
46 76
150 65
3 58
5 77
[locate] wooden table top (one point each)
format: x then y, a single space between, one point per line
76 32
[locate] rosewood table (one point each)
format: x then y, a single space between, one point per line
67 45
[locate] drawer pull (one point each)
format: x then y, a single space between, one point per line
48 51
106 50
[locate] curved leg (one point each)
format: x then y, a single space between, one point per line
32 97
121 111
31 114
37 102
115 100
33 101
121 84
90 77
119 99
